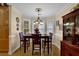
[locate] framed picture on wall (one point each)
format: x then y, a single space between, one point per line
17 25
17 19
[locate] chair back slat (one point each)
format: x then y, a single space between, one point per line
50 36
36 39
21 35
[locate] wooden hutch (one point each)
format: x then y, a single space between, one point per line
4 27
70 43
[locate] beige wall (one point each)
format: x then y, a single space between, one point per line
59 33
14 41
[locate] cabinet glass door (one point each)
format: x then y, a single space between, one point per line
77 30
68 27
77 24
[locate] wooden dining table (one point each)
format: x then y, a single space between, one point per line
46 37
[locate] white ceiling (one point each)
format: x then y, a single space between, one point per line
48 9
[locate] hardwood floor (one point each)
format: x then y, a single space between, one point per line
55 52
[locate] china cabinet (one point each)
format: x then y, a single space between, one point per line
70 42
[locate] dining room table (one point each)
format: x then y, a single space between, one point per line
46 37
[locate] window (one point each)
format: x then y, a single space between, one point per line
49 26
26 27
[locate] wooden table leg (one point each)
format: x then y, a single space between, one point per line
48 46
24 45
40 48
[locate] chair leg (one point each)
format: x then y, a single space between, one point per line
44 47
32 52
27 48
51 48
32 49
29 42
40 52
40 49
20 48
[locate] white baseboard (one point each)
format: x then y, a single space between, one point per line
11 52
58 46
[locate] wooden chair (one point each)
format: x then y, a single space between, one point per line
21 41
44 42
21 38
36 43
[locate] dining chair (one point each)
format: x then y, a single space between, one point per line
21 38
22 41
45 43
36 43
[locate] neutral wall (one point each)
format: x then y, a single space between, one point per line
59 33
14 41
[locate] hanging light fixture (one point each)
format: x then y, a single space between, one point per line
38 21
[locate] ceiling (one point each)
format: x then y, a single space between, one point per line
48 9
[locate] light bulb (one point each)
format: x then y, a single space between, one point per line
36 22
33 23
41 23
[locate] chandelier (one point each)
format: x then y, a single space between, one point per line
38 20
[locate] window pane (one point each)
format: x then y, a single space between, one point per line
49 26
